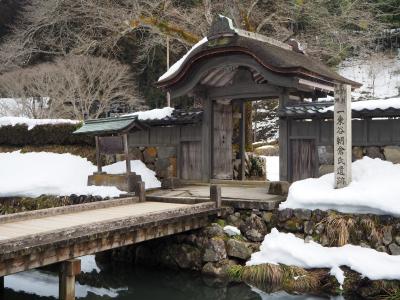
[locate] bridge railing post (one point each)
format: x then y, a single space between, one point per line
215 195
141 191
68 270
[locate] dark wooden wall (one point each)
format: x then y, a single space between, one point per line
305 134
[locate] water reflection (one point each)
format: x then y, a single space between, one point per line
122 283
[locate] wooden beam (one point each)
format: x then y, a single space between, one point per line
246 91
126 151
141 191
242 140
206 140
98 158
68 270
284 159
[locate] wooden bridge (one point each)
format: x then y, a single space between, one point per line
34 239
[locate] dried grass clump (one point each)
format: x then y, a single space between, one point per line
338 229
390 294
298 279
369 228
263 274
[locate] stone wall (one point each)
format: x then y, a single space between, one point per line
161 159
389 153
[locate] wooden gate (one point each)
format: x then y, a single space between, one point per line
303 159
190 161
222 143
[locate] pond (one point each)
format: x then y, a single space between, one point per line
120 282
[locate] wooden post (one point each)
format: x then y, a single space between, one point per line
284 163
126 151
98 158
342 135
68 270
242 140
215 195
141 191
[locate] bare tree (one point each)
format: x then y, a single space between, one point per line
78 87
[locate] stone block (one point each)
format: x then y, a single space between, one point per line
278 188
238 249
166 152
150 154
123 182
392 154
394 249
215 250
325 155
325 169
374 152
357 153
387 235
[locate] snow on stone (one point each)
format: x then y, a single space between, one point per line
175 67
231 230
374 189
286 248
31 123
282 295
38 173
372 104
153 114
272 167
137 166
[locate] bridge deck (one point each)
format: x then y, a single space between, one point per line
37 238
23 228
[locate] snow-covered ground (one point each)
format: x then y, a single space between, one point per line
153 114
37 173
374 189
272 167
286 248
31 123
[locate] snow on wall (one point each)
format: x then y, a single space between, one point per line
286 248
374 189
31 123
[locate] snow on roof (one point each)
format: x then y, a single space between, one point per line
361 196
382 104
286 248
153 114
31 123
175 67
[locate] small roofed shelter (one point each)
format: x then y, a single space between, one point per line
232 66
117 135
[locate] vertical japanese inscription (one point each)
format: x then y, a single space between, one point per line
342 135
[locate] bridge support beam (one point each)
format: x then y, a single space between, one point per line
68 270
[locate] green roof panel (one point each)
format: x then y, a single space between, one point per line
106 125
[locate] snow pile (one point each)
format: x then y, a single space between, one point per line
12 121
272 167
175 67
153 114
137 166
286 248
371 104
231 230
374 189
38 173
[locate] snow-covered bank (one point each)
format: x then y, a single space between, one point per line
374 189
37 173
31 123
286 248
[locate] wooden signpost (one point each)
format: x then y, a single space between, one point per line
342 135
